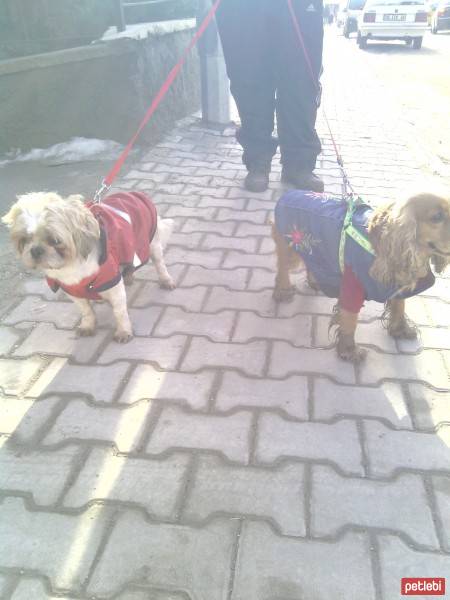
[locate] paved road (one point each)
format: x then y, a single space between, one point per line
417 82
225 453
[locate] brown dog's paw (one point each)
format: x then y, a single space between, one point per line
283 295
403 331
122 337
85 331
353 354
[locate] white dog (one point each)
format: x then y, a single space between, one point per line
91 250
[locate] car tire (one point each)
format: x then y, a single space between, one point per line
417 43
361 41
408 41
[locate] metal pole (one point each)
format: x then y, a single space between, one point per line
119 16
215 87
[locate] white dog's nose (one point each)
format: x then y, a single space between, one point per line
37 251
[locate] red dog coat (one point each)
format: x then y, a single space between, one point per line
127 226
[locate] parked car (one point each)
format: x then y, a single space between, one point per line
347 18
440 17
393 20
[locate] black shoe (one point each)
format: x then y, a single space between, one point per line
302 180
257 181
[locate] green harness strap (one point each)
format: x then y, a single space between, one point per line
350 230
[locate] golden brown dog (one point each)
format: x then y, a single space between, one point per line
407 238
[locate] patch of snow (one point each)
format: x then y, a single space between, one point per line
75 150
140 31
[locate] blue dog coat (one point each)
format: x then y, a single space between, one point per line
312 224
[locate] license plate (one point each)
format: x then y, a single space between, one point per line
394 17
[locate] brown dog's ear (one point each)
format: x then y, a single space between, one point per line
393 231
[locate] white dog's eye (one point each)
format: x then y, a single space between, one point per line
53 241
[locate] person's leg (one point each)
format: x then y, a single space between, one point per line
298 94
246 39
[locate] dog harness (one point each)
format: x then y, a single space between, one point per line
127 226
331 237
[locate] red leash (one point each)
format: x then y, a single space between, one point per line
107 181
318 89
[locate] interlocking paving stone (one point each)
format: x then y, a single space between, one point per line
33 308
163 351
9 339
215 327
272 567
234 279
259 302
430 408
179 429
384 402
297 330
22 419
248 357
236 259
290 395
16 375
179 212
428 366
43 474
193 225
196 561
208 258
286 359
46 339
61 547
153 484
190 298
100 383
213 241
35 589
277 494
337 443
389 450
249 229
339 501
193 389
398 561
441 487
187 240
122 426
228 214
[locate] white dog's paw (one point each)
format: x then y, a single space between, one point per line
167 284
122 336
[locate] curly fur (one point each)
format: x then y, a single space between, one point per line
400 233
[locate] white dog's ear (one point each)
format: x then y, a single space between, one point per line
75 198
10 218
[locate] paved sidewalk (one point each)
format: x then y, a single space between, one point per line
225 453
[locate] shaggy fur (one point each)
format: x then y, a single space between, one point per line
60 237
407 236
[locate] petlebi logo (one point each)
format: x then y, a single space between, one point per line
423 586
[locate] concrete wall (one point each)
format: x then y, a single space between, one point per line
97 91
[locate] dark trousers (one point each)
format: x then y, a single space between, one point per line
268 73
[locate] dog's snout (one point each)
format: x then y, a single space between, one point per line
37 251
